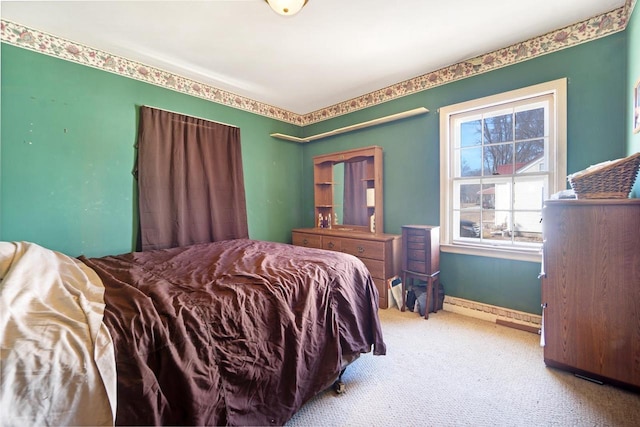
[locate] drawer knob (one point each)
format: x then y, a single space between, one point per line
360 249
305 242
331 245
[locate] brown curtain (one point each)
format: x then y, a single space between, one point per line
355 194
190 181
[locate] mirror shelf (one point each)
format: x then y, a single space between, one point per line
348 190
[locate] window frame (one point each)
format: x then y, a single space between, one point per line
556 156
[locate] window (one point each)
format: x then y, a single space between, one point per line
501 157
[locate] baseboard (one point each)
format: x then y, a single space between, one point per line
500 315
522 327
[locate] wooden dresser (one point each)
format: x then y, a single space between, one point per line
591 288
380 252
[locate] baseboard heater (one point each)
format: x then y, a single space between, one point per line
499 315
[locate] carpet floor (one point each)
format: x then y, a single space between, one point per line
454 370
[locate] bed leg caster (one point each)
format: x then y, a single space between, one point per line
339 386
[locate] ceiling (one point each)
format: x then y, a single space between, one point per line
332 51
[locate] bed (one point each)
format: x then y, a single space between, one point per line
238 332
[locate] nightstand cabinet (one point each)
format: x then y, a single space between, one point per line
421 260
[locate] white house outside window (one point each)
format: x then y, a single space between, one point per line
501 157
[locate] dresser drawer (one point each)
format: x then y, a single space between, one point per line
363 248
383 293
332 243
416 254
375 267
417 266
415 239
308 240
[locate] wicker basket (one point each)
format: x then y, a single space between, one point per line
610 180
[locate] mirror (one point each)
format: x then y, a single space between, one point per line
348 187
352 199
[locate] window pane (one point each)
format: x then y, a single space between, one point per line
470 133
502 221
469 224
488 196
502 195
530 124
498 159
527 227
529 194
530 156
496 224
498 129
470 162
469 197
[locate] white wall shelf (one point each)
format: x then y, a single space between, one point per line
350 128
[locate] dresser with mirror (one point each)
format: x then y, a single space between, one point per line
349 214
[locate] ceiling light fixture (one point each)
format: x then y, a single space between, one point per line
287 7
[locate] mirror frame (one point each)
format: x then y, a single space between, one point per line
324 185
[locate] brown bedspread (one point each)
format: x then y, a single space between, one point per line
239 332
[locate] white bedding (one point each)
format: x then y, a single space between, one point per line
57 364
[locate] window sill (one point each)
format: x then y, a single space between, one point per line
511 254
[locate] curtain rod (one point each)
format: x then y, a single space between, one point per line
195 117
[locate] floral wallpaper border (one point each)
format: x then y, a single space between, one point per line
593 28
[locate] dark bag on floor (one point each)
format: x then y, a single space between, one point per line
421 301
411 299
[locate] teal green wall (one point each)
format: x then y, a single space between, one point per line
67 152
633 77
68 135
596 132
